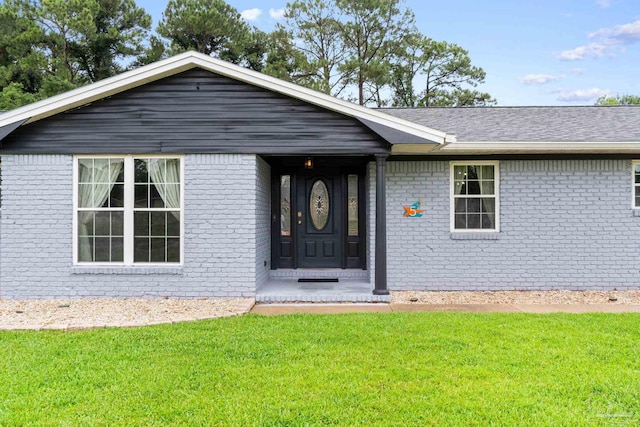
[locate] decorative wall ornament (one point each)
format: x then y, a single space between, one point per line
413 211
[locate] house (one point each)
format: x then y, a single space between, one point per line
191 177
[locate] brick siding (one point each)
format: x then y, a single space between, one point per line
219 247
564 224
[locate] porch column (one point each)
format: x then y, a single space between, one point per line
381 227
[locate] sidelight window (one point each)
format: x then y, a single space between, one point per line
352 201
285 205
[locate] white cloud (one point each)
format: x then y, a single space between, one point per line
578 71
621 34
276 14
539 79
251 15
592 49
603 3
581 95
607 41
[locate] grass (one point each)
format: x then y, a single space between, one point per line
360 369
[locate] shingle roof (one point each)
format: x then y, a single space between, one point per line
530 124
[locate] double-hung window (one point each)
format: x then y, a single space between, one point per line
128 210
474 196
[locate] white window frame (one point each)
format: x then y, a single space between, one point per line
634 187
496 195
129 201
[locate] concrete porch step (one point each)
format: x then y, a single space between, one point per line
290 290
322 298
346 274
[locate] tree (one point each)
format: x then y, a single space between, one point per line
407 65
369 51
63 23
317 26
155 51
13 96
251 51
619 100
214 28
20 60
121 29
22 65
371 34
443 72
50 46
286 62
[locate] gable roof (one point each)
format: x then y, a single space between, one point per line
532 129
395 130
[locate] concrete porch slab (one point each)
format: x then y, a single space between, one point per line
290 290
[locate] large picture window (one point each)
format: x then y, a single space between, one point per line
474 196
128 210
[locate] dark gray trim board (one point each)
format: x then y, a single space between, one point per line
197 111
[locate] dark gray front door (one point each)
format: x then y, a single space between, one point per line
318 220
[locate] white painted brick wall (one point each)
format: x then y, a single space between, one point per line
263 222
370 186
565 224
220 234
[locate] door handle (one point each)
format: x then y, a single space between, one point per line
299 222
299 216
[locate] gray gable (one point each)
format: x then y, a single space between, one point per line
196 111
530 124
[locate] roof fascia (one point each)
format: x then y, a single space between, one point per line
102 89
537 147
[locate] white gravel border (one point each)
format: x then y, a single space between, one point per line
97 313
516 297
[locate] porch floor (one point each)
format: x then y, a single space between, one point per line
346 290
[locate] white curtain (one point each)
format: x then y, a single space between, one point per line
488 188
165 174
96 181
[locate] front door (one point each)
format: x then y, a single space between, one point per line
318 216
318 220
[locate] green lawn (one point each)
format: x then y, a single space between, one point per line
360 369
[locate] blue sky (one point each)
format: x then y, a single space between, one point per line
543 52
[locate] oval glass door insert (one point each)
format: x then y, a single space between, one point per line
319 205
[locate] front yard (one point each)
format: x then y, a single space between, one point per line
363 369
